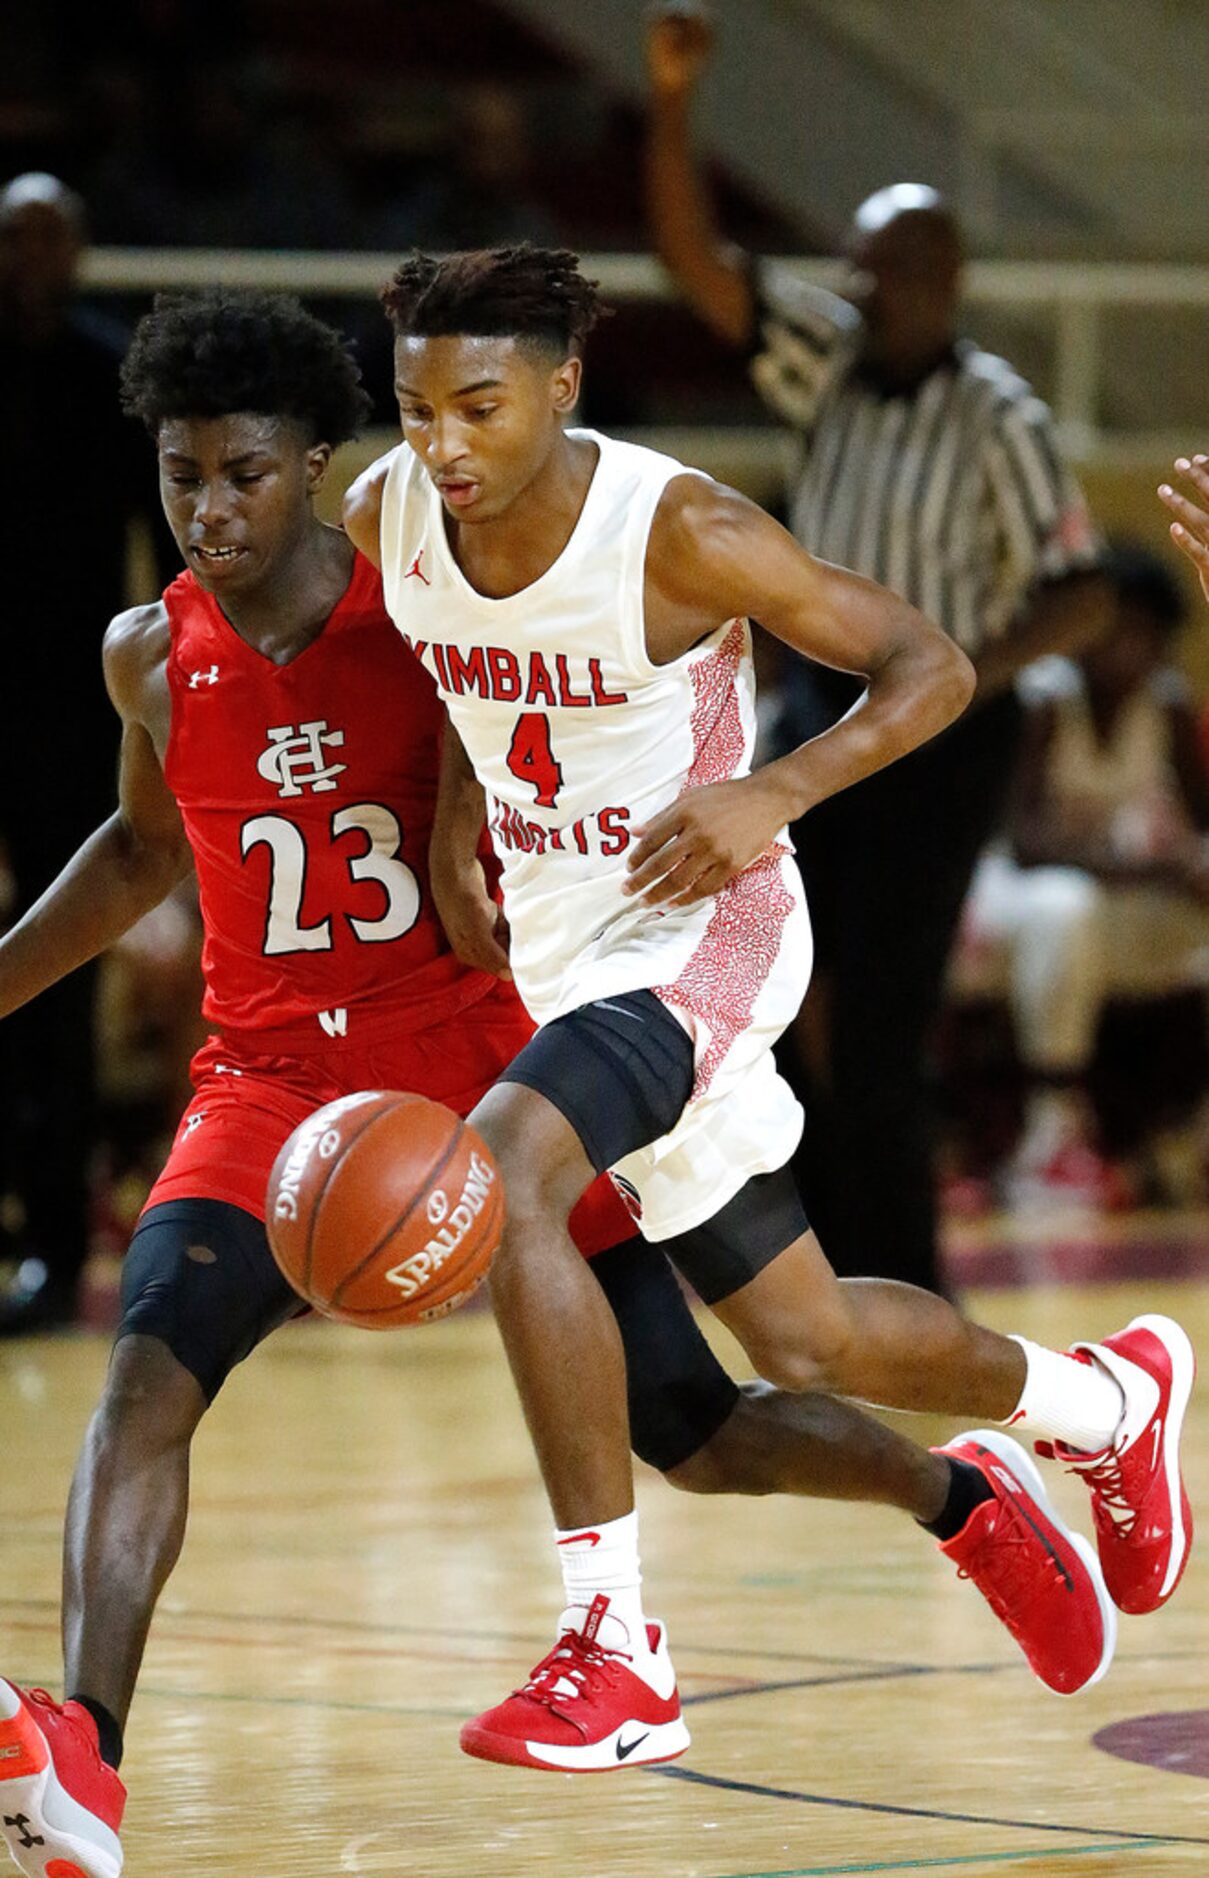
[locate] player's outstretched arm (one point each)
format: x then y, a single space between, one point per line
713 555
1190 530
362 512
711 272
132 861
474 924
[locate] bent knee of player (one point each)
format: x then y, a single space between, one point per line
540 1157
706 1471
150 1400
735 1459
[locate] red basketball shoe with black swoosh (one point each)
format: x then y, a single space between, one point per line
1041 1581
60 1804
1139 1504
589 1706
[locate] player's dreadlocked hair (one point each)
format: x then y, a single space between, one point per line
527 293
211 353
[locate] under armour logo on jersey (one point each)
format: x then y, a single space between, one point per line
335 1023
20 1822
194 1121
294 759
418 571
203 678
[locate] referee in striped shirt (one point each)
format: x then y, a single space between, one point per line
931 467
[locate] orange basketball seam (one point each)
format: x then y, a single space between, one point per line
317 1202
448 1284
454 1278
422 1185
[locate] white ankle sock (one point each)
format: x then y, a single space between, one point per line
1080 1404
604 1560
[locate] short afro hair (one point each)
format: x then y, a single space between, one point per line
211 353
531 294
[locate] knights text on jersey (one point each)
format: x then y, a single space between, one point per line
577 737
307 794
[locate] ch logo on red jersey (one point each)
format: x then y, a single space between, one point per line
418 571
294 759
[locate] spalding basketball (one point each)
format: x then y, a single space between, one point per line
384 1209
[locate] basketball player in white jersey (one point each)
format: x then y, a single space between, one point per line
582 605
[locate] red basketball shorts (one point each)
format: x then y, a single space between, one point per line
248 1100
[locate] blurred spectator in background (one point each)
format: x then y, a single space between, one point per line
1102 888
72 478
201 156
477 189
931 467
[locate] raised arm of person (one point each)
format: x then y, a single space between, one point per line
136 857
362 510
1190 530
713 555
711 272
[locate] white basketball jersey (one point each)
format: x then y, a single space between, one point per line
579 740
577 737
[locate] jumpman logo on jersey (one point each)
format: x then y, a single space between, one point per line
416 569
203 678
294 759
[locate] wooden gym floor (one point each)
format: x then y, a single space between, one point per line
368 1563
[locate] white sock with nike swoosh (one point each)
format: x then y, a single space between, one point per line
1079 1404
602 1561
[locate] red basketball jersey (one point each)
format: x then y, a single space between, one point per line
307 792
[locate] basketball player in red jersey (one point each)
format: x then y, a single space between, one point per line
584 613
278 736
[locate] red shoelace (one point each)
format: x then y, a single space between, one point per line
1107 1482
1009 1592
573 1659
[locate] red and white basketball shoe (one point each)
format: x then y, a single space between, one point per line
588 1707
1138 1501
60 1805
1041 1580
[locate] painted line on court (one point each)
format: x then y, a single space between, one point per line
938 1864
314 1703
805 1682
918 1812
300 1621
852 1665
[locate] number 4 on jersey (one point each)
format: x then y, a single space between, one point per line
531 759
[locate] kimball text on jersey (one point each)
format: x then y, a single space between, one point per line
497 673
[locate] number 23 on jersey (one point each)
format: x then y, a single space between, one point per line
288 868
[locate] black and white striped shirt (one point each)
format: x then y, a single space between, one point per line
952 494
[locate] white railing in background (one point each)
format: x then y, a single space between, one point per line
1072 297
